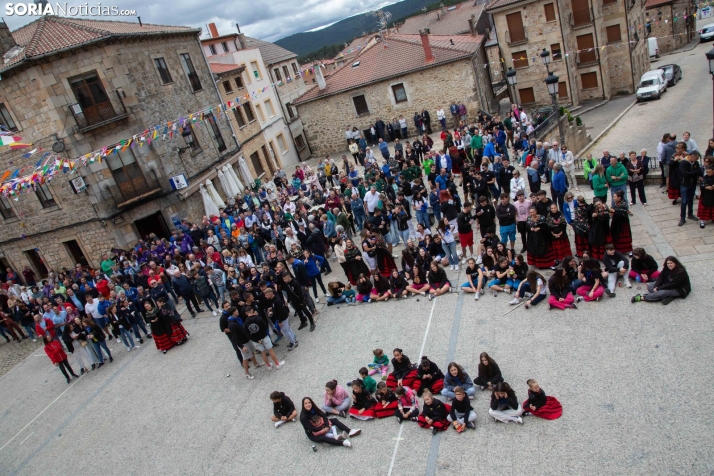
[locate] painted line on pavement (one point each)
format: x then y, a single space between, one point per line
28 436
74 415
401 425
450 354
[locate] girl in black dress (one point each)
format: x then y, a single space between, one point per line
321 429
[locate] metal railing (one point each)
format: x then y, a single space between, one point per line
99 114
581 18
544 125
587 57
516 36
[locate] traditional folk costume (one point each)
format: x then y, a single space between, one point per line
620 228
548 408
539 252
560 246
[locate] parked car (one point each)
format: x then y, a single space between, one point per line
672 73
706 33
652 85
653 47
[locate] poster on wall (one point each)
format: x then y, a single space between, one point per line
706 12
176 220
78 185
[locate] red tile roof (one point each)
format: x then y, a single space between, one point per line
50 34
396 56
220 68
657 3
454 21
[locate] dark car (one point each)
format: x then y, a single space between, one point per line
672 73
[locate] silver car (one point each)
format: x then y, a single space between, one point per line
707 32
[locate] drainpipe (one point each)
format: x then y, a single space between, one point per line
629 47
567 66
597 48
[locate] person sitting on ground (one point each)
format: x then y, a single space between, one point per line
643 267
539 404
419 284
283 409
320 429
404 373
381 290
433 414
462 415
430 375
504 404
337 400
407 404
501 273
560 291
533 287
456 376
592 279
362 402
438 282
489 373
398 285
672 282
475 277
386 401
617 266
369 383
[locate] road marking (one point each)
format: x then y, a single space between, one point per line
28 437
401 425
39 414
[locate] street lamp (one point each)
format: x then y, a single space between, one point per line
545 57
511 79
710 57
552 83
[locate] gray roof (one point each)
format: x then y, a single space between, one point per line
270 52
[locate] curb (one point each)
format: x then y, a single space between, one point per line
591 108
684 49
606 130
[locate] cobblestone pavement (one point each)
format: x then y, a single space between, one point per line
12 353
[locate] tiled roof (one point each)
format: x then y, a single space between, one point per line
657 3
501 3
355 46
439 23
397 56
270 52
220 68
50 34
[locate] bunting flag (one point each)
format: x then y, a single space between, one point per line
7 139
19 145
27 155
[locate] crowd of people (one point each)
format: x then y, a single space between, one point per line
397 394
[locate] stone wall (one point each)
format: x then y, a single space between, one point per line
325 119
671 34
576 137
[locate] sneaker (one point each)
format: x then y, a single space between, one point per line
479 260
476 296
278 424
463 260
118 341
701 225
312 327
368 300
451 267
456 267
342 414
693 217
495 293
423 293
250 377
636 298
342 436
302 325
214 313
290 346
296 344
111 359
573 306
347 443
200 310
610 293
667 300
517 420
523 250
355 432
507 290
279 365
35 340
405 296
470 425
628 284
141 341
270 367
578 299
514 301
128 349
528 295
682 221
434 431
431 296
317 300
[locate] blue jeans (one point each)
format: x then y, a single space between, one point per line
450 252
437 215
139 324
471 391
126 338
526 288
405 235
30 331
616 188
687 194
359 222
287 331
494 191
575 285
423 218
98 346
334 300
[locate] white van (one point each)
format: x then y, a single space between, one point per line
652 85
653 47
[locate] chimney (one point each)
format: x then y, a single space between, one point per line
321 84
241 40
238 27
6 40
212 28
427 47
471 27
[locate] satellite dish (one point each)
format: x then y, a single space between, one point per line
58 146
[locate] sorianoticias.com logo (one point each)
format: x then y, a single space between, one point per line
64 9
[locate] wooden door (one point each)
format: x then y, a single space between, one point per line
91 96
581 12
516 31
585 43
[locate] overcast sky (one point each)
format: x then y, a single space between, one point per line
266 20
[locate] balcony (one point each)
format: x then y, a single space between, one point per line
133 188
100 114
516 36
587 57
581 18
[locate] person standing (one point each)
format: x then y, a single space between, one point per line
616 175
559 185
54 351
568 162
689 173
464 220
427 121
441 116
637 169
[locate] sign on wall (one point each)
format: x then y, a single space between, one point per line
178 182
78 185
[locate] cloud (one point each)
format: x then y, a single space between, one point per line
268 21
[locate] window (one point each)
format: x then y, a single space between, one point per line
259 111
516 33
255 160
281 143
216 132
549 12
556 52
400 94
127 174
589 80
256 70
248 112
6 118
239 82
581 12
300 142
190 72
613 34
225 46
269 108
520 59
92 98
291 113
562 90
213 49
163 70
296 71
6 209
227 86
287 72
189 136
526 95
360 105
239 117
586 45
276 72
45 196
268 159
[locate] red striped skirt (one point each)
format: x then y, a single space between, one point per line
384 412
163 342
552 410
672 193
704 212
178 333
623 243
368 414
545 261
440 425
560 247
581 244
410 381
436 387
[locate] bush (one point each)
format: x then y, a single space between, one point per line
570 118
578 121
561 110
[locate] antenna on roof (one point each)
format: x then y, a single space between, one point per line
140 24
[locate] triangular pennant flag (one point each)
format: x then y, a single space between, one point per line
29 154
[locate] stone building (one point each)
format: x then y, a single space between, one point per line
598 49
233 50
672 22
74 86
396 76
